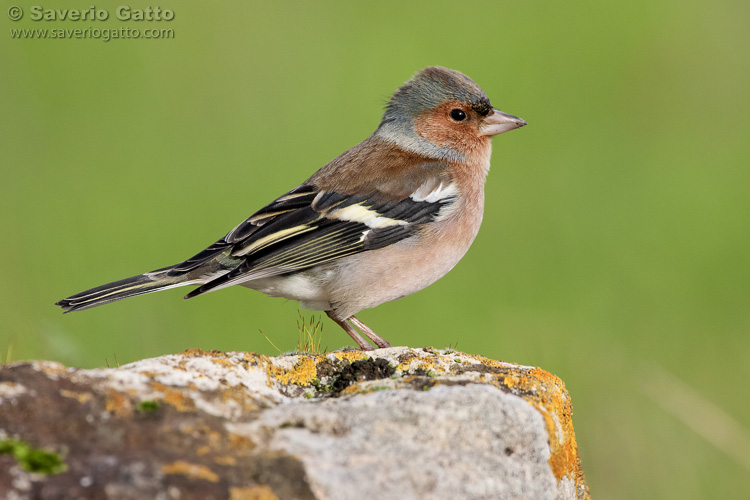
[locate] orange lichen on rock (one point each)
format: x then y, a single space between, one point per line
241 445
303 372
193 471
174 397
547 393
544 391
223 362
118 403
427 364
351 356
81 397
261 492
194 353
555 400
225 460
239 395
50 367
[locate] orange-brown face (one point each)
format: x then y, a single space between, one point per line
453 124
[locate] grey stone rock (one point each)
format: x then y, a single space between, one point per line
394 423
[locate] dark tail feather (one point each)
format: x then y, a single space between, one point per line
118 290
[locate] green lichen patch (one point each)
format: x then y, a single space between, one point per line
147 406
33 459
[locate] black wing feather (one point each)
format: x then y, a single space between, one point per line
298 198
304 228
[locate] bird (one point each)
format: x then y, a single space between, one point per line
381 221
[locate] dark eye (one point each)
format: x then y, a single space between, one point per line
458 115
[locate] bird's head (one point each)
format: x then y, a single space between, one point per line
443 114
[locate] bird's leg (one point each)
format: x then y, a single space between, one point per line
379 341
362 343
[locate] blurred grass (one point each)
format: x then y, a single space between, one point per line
616 228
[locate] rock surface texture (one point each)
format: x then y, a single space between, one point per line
394 423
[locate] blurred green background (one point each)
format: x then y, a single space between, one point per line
614 251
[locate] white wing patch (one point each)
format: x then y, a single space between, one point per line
271 238
429 193
368 217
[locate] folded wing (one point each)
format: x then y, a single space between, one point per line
307 227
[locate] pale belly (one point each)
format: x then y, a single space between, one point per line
309 287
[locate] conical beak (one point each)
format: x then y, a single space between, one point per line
499 122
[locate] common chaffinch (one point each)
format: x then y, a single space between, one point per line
381 221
